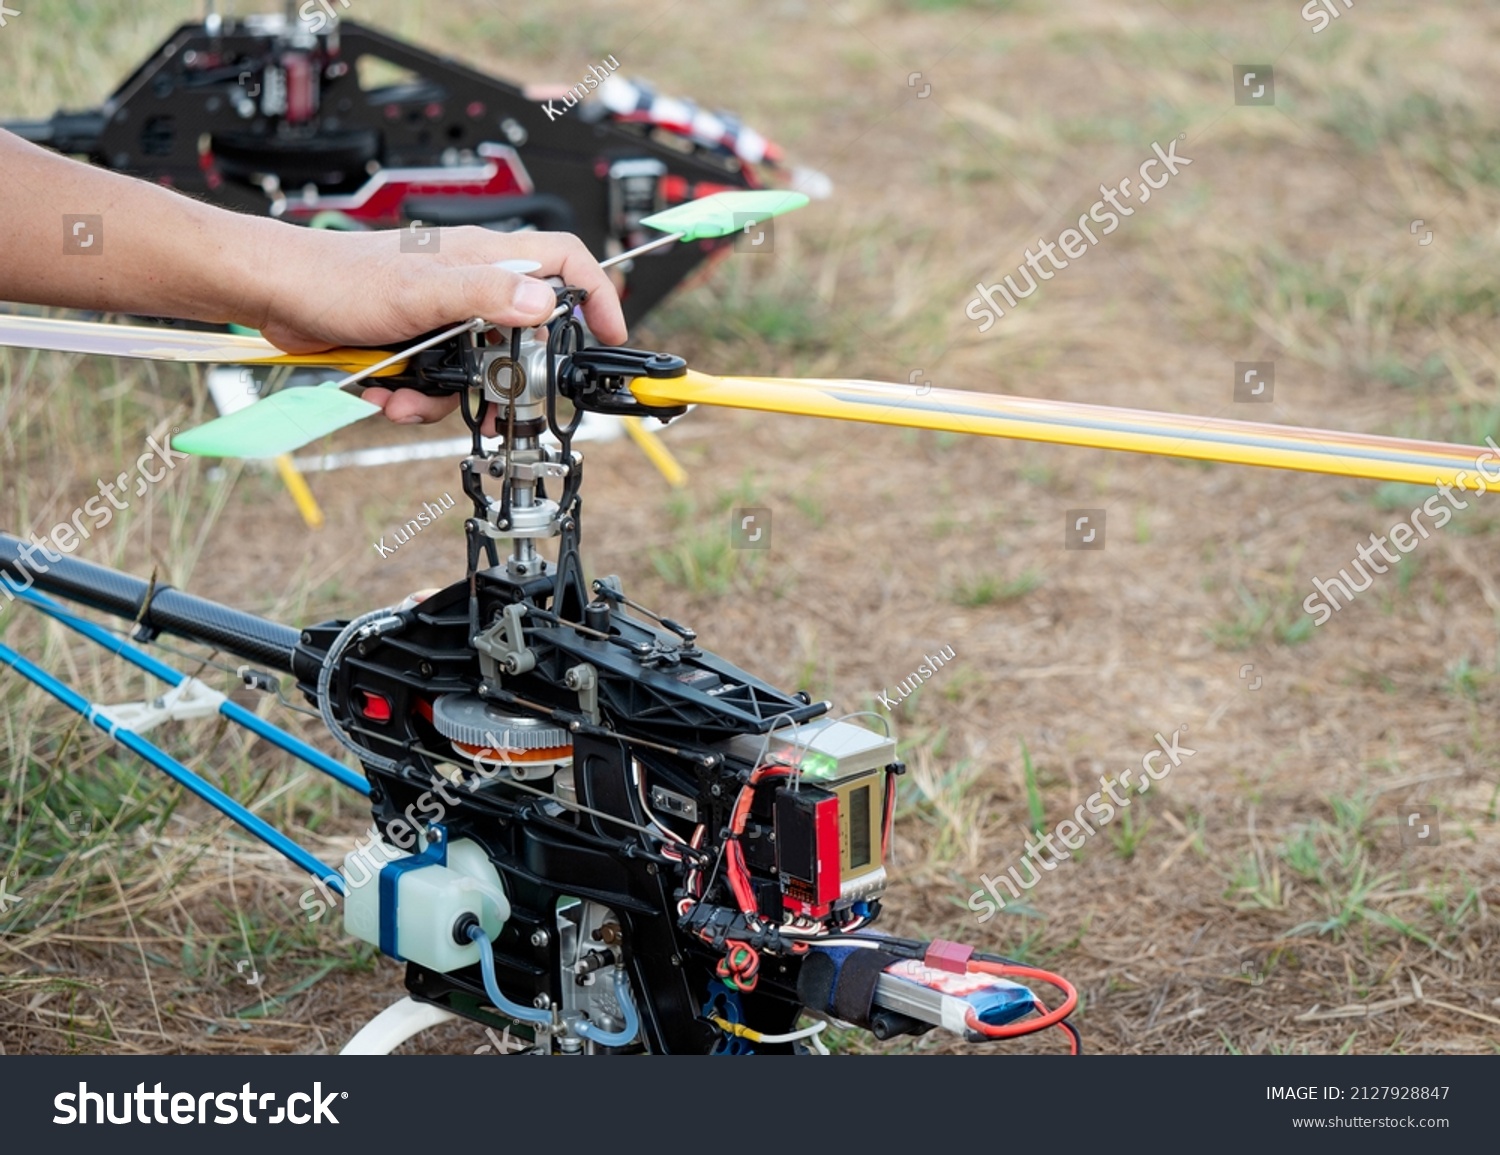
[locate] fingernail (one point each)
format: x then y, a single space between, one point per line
534 297
410 419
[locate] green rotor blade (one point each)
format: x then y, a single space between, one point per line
724 213
276 424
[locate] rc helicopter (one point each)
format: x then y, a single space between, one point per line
596 832
311 117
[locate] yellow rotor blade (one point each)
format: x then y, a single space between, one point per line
143 342
1094 426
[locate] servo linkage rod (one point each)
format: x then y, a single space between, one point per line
670 238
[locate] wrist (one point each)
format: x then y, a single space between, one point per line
260 265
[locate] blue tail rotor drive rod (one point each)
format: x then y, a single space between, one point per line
165 762
231 710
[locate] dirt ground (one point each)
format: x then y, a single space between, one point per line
1261 898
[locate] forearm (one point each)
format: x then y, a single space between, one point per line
158 253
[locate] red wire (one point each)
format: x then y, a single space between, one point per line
1063 1027
744 970
1030 1026
735 868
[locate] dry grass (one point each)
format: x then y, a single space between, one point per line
1259 898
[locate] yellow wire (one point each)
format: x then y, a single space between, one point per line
739 1029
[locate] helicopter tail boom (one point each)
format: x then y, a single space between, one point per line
157 608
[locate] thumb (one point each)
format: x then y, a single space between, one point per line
498 296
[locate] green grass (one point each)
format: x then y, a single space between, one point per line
1256 884
1346 309
951 5
1455 141
1333 860
944 797
1034 807
701 562
985 591
1257 616
1129 829
1300 853
701 556
746 310
1430 371
1465 680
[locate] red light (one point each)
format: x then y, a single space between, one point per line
376 708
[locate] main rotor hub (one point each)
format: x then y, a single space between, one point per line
521 383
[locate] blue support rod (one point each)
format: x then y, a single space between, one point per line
231 710
165 762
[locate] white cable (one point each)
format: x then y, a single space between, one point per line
640 789
793 1036
790 1037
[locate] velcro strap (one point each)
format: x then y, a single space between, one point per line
854 990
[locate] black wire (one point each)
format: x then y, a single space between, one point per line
1077 1038
466 407
985 956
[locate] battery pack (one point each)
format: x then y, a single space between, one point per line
944 998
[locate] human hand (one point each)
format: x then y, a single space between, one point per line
337 288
